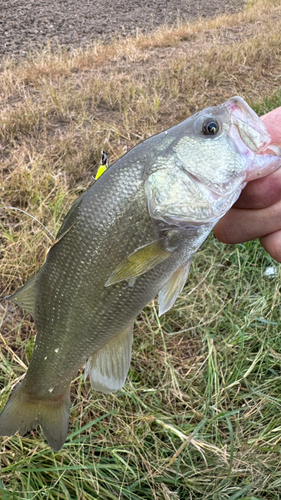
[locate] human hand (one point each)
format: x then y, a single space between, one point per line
257 213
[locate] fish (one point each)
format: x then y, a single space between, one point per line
130 237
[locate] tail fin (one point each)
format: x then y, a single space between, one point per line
24 412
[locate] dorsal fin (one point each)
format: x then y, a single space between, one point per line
108 367
62 235
70 217
26 295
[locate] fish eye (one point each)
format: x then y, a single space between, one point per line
210 126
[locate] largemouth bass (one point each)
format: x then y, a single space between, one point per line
129 237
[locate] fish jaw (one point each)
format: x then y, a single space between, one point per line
252 140
252 130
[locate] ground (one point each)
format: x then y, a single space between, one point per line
30 24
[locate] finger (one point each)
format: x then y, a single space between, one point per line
266 191
238 225
272 122
261 193
272 244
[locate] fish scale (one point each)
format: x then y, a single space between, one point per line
87 233
131 236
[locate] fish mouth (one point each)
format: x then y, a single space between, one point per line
252 139
251 129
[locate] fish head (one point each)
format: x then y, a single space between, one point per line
208 160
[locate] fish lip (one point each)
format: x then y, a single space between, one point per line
250 127
251 139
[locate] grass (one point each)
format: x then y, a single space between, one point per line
199 416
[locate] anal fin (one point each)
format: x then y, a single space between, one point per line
108 367
139 262
171 290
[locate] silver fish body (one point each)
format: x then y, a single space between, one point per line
130 237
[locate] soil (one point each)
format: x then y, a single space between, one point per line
28 25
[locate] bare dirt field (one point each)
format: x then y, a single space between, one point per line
27 25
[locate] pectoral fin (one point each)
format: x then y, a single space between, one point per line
108 367
171 290
139 262
25 296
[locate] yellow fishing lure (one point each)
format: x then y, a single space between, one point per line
103 165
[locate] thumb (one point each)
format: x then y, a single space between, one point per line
272 122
